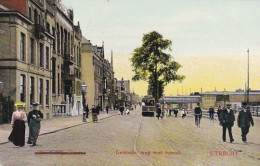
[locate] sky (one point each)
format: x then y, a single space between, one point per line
209 38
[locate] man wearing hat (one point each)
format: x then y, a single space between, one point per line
34 122
244 120
227 119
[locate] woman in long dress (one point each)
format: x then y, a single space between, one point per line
17 136
34 121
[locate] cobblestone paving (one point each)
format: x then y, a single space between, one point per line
136 140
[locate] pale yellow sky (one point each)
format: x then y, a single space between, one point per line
210 38
208 72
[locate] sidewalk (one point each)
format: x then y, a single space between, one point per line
53 125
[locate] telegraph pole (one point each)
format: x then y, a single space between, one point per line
247 100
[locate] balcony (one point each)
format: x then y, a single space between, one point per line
68 73
39 31
69 58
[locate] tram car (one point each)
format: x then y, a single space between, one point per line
148 105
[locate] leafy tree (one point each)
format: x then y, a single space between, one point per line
150 63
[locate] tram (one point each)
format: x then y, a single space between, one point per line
148 105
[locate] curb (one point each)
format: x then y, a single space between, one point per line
55 131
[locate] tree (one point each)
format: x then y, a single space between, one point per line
151 64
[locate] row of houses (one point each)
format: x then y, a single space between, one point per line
45 58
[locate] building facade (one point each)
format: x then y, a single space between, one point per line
98 75
40 54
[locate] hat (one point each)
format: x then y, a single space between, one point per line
19 104
229 105
35 104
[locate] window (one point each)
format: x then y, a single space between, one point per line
79 59
47 92
54 41
22 88
48 28
32 90
47 58
30 13
41 55
41 91
35 17
22 47
53 75
32 60
58 38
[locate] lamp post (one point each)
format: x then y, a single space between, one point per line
84 88
225 94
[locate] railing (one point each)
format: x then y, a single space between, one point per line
255 110
61 110
69 58
204 114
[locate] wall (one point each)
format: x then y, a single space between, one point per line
88 73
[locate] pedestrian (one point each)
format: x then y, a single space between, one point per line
243 121
219 112
121 109
98 108
158 111
175 111
197 114
17 136
211 113
107 108
183 113
34 121
87 111
227 119
170 112
95 113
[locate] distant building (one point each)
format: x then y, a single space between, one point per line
236 98
98 75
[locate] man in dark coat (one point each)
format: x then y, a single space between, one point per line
243 121
170 112
197 114
219 112
121 109
107 108
175 111
158 112
227 119
86 109
95 113
98 108
34 121
211 113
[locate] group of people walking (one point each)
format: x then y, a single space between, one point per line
19 118
244 121
162 113
226 119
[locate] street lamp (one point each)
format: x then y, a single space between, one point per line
84 88
225 94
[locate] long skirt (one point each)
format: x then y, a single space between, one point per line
34 131
17 136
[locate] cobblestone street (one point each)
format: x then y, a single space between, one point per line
136 140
